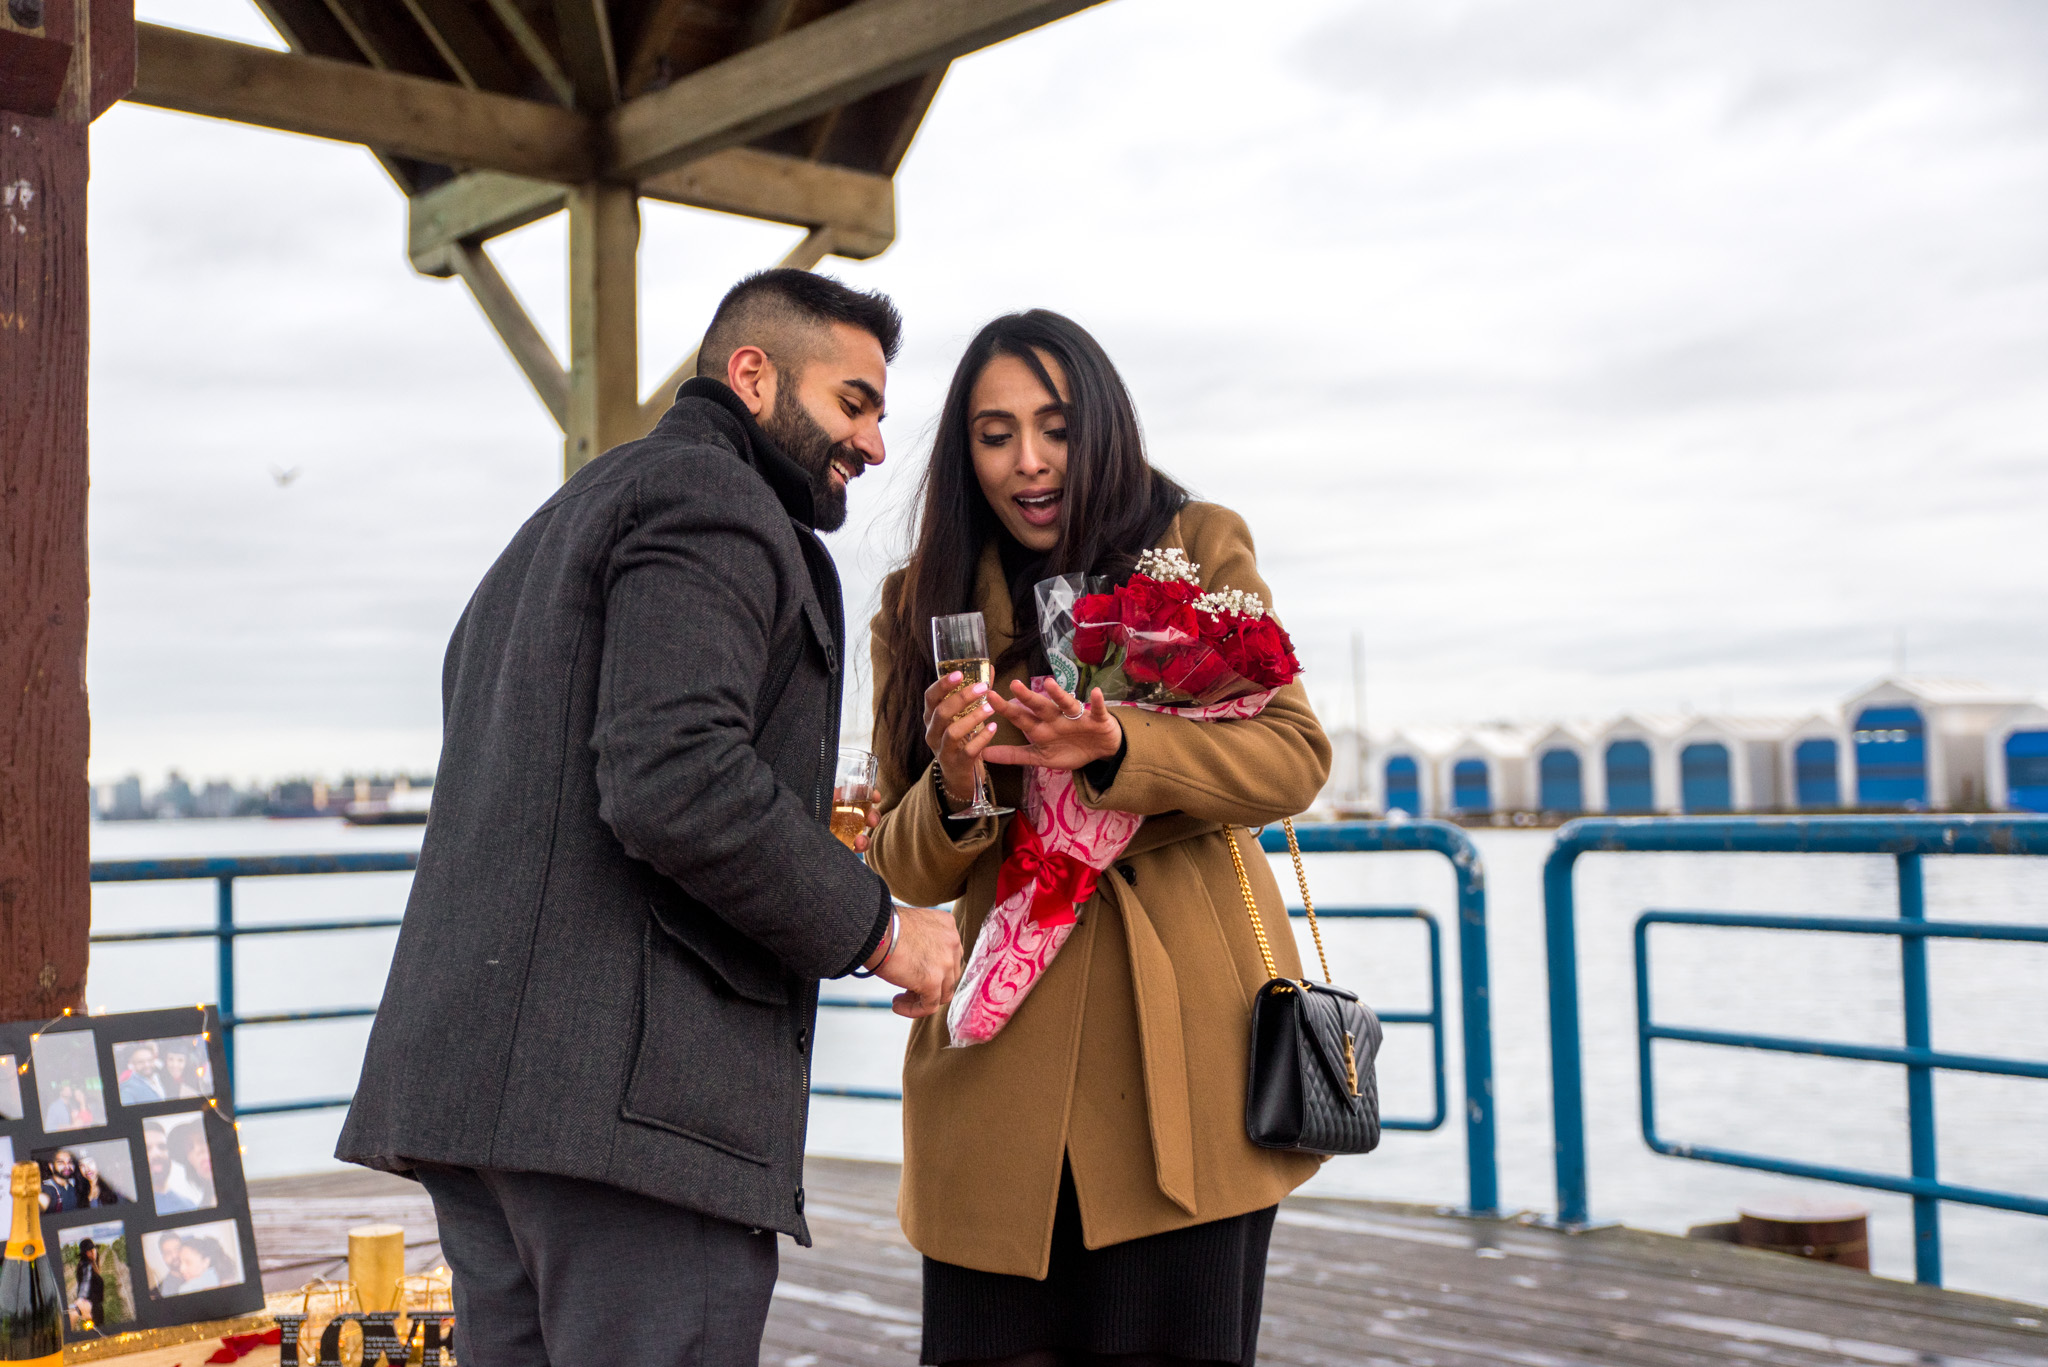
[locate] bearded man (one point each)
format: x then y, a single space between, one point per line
594 1045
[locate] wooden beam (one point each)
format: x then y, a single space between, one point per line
474 208
860 208
583 33
604 322
816 245
657 31
465 44
861 49
45 727
515 327
407 115
535 50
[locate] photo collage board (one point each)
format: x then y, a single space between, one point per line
145 1211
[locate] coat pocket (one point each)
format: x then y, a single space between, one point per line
711 1063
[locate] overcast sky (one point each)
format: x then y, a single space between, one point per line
1583 355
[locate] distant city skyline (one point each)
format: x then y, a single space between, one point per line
1584 357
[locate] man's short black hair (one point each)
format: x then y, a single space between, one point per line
775 309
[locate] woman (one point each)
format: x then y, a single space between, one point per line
1081 1186
179 1075
94 1190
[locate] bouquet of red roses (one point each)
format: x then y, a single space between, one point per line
1158 642
1160 639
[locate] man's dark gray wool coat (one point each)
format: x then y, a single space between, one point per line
628 890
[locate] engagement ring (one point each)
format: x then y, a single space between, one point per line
1075 716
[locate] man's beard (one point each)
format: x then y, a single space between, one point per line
790 426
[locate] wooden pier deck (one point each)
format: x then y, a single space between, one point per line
1351 1283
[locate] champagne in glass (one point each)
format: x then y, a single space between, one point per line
960 643
855 795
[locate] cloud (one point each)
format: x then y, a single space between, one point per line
1581 356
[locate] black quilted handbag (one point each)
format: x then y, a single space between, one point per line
1311 1085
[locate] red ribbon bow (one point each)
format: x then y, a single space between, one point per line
1063 882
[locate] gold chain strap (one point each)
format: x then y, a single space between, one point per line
1244 885
1308 903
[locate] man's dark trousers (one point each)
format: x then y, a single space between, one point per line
557 1272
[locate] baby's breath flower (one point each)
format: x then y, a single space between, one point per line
1231 602
1168 566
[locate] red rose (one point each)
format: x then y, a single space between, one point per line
1095 622
1196 670
1147 605
1266 655
1215 626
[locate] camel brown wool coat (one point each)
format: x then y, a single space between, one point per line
1129 1056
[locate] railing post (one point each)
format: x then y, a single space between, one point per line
1476 1031
1919 1077
224 945
1567 1092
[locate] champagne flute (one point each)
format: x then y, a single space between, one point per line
960 642
854 795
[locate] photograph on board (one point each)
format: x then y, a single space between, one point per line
85 1176
10 1088
100 1288
68 1087
180 1163
170 1069
193 1258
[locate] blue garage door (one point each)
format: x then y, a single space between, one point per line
1816 774
1628 777
1703 779
1557 780
1891 758
1468 786
2026 771
1404 792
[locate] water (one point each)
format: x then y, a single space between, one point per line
1986 999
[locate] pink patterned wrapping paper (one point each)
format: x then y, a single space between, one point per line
1014 949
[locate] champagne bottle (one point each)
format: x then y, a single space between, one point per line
31 1301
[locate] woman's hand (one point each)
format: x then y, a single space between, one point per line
1062 733
958 725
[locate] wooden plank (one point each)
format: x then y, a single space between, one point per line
657 31
604 325
583 36
860 208
535 50
465 45
388 39
844 56
408 115
1349 1283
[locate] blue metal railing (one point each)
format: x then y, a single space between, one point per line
225 931
1346 837
1907 840
1475 990
1433 1017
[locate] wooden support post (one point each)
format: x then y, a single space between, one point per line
604 322
56 74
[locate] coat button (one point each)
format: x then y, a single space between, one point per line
799 1200
1130 874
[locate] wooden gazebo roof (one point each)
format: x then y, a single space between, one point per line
491 114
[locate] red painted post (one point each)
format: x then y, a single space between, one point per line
62 62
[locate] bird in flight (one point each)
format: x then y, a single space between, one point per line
285 477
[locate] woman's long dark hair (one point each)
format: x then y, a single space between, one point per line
1115 505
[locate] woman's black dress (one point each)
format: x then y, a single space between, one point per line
1191 1293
